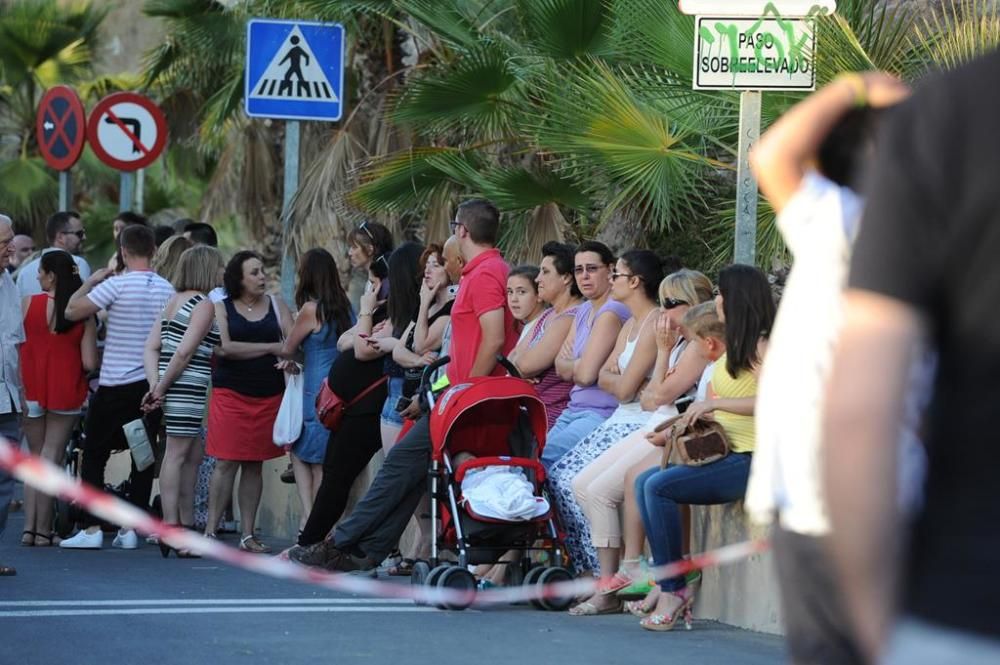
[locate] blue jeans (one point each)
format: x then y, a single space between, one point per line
659 491
390 416
569 430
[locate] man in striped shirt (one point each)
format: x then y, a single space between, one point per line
134 301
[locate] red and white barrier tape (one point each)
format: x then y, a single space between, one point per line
46 477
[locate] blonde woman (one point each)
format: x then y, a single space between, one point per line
168 256
178 368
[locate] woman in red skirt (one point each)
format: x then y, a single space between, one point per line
247 386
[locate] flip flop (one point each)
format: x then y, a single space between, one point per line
588 609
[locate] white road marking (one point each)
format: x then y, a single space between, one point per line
208 610
207 601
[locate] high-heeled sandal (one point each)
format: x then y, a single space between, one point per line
666 622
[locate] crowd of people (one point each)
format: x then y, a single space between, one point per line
624 351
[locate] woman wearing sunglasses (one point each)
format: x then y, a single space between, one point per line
606 483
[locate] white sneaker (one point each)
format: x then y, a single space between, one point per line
84 541
126 540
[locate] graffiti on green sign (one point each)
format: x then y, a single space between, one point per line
783 51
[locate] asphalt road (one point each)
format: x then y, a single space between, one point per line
124 607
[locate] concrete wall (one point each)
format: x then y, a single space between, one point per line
743 594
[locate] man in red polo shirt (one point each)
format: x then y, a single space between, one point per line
482 326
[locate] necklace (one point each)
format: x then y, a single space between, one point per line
247 305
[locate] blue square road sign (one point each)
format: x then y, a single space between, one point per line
294 70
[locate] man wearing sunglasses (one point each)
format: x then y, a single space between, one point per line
65 232
481 327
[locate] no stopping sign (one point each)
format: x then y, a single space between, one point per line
127 131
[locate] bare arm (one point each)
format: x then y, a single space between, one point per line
677 381
537 359
564 360
88 346
782 156
305 325
626 385
603 335
151 354
239 350
406 358
863 413
491 326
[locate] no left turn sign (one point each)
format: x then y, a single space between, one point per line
127 131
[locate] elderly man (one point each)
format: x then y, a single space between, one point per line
11 335
64 231
24 246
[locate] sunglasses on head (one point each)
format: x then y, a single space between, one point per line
381 257
670 303
364 227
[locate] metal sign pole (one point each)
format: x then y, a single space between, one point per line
65 191
140 190
291 186
745 250
126 195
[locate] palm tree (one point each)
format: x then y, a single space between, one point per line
42 43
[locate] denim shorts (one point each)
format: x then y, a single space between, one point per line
389 414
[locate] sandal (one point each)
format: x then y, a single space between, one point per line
254 546
618 582
30 540
402 569
642 608
52 540
588 609
665 622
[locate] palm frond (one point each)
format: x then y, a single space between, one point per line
406 180
652 32
955 33
566 29
28 192
519 188
477 97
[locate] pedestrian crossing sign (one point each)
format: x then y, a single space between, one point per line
294 70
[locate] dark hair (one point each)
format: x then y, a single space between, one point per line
599 248
404 285
849 148
58 222
163 233
62 265
672 264
481 219
319 280
529 273
232 278
375 237
180 225
562 260
138 241
748 306
202 234
648 267
132 218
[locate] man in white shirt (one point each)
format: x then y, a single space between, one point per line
818 213
11 397
134 302
64 231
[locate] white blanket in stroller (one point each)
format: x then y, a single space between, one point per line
502 493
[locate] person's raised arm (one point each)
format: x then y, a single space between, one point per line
862 419
409 359
677 381
239 350
491 325
782 156
534 360
603 335
80 306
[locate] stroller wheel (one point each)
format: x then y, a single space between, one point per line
553 576
530 580
418 577
458 579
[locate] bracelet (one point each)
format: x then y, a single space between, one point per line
364 314
854 80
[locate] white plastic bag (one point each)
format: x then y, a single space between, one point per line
288 424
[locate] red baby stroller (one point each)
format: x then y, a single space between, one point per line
501 421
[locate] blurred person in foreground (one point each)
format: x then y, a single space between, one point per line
12 403
924 271
809 165
24 246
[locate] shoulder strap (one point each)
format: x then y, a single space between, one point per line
364 393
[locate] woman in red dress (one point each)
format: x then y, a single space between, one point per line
55 357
